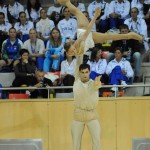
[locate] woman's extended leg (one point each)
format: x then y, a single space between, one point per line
82 20
101 37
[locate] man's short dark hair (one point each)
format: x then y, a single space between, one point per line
84 66
2 14
123 26
22 51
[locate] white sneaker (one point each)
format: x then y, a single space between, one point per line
123 83
115 89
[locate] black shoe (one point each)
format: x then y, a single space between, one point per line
136 79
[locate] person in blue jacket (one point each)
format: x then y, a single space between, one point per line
55 51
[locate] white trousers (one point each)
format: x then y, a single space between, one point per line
77 131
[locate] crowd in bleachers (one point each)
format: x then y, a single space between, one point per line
32 42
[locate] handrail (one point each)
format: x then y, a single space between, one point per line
70 87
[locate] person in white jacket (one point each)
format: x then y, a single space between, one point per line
68 26
119 70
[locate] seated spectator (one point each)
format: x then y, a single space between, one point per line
80 6
55 51
139 5
33 10
68 26
13 10
56 17
87 16
4 10
118 11
119 70
11 49
102 22
24 70
137 25
131 51
23 27
40 81
4 28
68 71
36 48
44 26
54 8
146 10
98 65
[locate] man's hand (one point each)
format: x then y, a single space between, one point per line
97 82
97 12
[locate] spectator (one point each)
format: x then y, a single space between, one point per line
102 23
139 5
44 26
56 17
119 70
4 28
40 81
118 11
138 25
80 6
98 65
3 9
87 16
23 27
33 10
24 70
68 71
68 26
146 10
55 8
36 48
13 10
131 51
54 53
11 49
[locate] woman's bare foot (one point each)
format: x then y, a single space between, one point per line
133 35
63 2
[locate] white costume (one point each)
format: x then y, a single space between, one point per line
122 8
33 14
37 48
4 10
98 67
24 28
44 26
68 28
15 9
5 27
67 68
89 43
139 6
139 27
102 5
51 9
124 64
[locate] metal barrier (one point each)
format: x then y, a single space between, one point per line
70 87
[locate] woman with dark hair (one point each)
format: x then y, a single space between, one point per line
68 71
24 70
23 27
98 65
55 51
33 10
